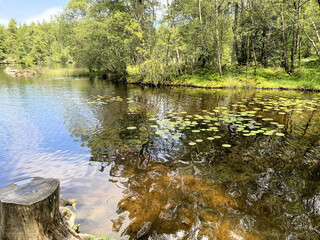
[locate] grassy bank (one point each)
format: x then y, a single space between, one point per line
305 77
62 72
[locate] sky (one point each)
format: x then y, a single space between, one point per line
26 11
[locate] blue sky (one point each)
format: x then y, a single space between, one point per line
26 11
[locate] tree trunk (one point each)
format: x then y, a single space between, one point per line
299 46
218 38
293 56
313 43
199 9
252 40
295 37
254 57
29 209
315 28
248 52
284 43
234 56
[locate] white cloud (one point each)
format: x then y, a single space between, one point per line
45 15
4 21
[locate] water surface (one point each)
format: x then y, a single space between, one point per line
171 163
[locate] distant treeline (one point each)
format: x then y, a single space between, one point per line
158 40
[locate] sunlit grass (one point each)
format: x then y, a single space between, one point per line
305 77
63 72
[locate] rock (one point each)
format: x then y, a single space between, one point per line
67 216
19 73
10 71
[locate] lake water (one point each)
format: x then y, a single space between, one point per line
172 163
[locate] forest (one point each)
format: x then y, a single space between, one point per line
156 42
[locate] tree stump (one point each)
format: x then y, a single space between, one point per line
29 209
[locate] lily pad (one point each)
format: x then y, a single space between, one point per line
226 145
195 131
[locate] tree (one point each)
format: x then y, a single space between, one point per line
310 26
12 38
102 40
2 43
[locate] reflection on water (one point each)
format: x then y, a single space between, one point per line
168 163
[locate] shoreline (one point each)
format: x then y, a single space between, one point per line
228 81
221 87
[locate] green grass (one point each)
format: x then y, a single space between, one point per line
63 72
306 77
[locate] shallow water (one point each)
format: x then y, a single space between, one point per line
171 163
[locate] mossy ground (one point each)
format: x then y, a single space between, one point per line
307 76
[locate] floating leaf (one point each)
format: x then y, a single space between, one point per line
160 132
226 145
269 133
192 143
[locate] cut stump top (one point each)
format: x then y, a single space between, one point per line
28 191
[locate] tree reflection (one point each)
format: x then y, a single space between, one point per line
172 199
264 187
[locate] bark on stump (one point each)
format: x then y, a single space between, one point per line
29 209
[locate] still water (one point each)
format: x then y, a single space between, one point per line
173 163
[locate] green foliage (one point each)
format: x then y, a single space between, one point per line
191 41
104 40
2 43
12 38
